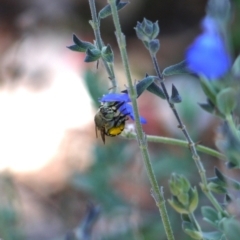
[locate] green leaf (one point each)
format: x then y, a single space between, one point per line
92 55
217 181
80 46
193 199
107 54
209 90
179 207
179 68
227 181
236 67
106 11
155 89
210 215
217 188
185 218
212 235
231 229
207 107
144 84
175 97
226 101
228 198
191 231
219 175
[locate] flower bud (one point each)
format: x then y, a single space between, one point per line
185 198
154 46
147 30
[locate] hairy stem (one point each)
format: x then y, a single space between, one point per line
177 142
96 28
191 144
158 195
194 222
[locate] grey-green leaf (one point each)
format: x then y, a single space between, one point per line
236 67
226 101
175 97
209 90
212 235
80 46
179 68
106 11
191 231
155 89
207 107
231 229
107 54
92 55
210 215
144 84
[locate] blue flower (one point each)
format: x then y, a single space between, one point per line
125 108
208 55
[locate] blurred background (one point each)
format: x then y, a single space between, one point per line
58 181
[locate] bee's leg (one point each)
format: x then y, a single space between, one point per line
96 129
103 135
119 119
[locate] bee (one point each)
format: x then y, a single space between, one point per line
109 120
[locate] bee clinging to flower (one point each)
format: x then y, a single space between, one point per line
114 111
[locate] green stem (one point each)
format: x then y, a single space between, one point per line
177 142
96 28
191 144
194 221
157 194
232 126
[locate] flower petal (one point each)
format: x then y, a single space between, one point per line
115 97
129 110
208 56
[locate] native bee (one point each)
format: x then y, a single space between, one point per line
110 119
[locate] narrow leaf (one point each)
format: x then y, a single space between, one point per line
144 84
155 89
179 68
80 46
219 175
106 11
209 90
175 97
207 107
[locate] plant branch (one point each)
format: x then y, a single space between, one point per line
158 196
191 144
177 142
96 28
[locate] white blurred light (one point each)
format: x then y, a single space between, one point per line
33 123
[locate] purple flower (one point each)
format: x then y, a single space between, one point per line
125 108
208 55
